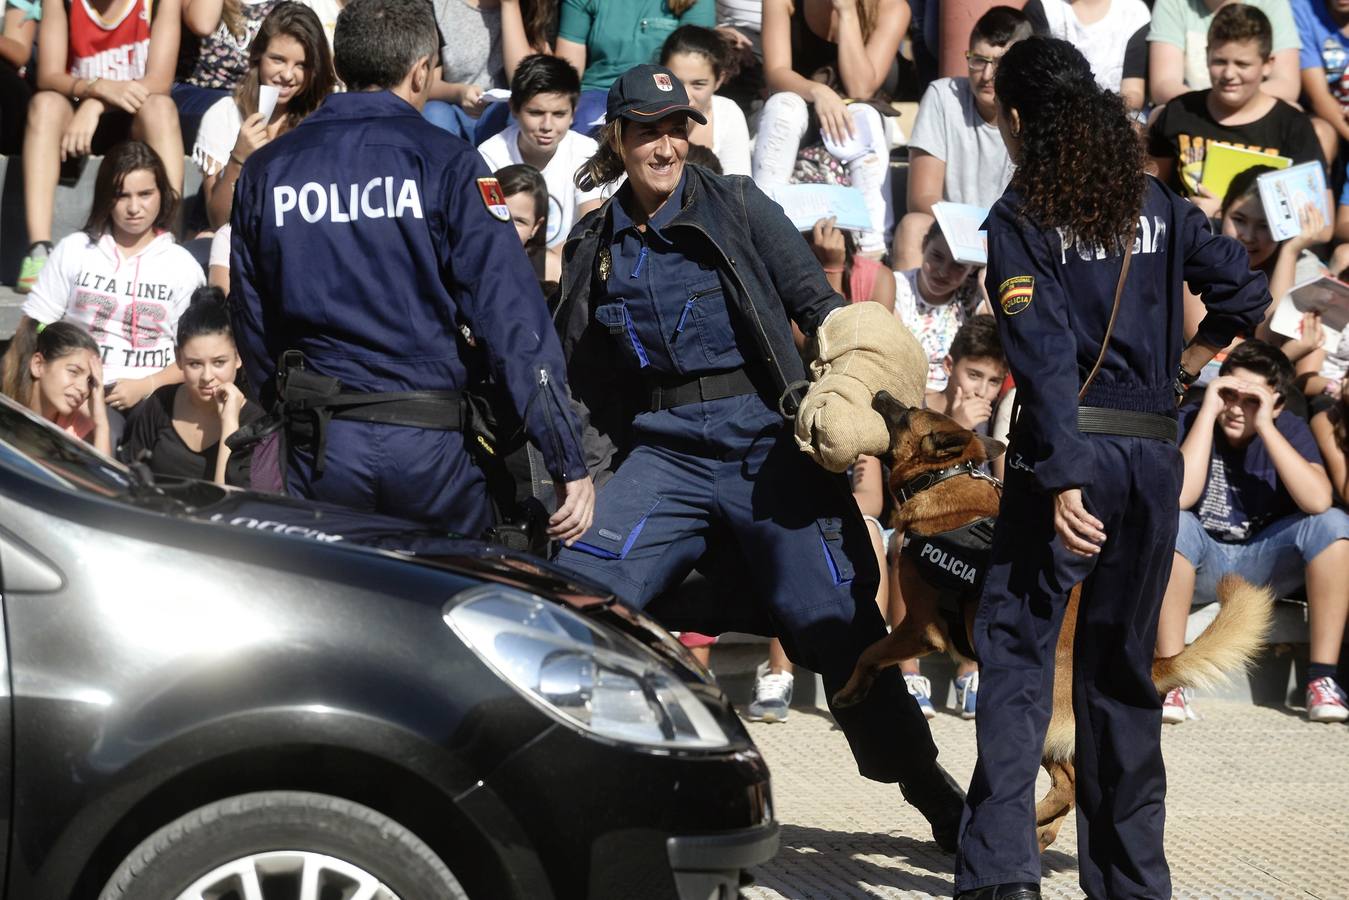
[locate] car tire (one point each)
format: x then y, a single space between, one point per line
267 826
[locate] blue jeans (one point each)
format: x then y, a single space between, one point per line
1277 555
590 107
452 118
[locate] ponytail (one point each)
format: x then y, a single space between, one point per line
607 163
16 380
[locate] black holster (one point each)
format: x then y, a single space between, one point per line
308 402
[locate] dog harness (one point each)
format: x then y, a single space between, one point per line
953 561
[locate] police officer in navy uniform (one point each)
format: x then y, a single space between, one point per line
364 240
677 301
1092 489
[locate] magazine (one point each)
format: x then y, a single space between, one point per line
1325 295
806 204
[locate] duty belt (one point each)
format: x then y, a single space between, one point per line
1127 423
669 392
309 401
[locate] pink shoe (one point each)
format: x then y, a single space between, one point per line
1326 701
1176 707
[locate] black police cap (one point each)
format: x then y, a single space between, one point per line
649 93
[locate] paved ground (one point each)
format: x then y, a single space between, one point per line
1258 807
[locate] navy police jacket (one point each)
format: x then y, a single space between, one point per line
365 238
1052 297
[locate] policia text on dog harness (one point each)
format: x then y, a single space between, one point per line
955 561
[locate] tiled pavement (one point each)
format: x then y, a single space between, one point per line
1258 807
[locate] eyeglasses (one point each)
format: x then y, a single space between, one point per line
979 63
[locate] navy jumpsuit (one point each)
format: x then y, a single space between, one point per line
365 238
729 470
1052 298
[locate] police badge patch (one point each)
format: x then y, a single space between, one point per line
1015 293
494 198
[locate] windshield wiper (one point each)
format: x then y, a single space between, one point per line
144 490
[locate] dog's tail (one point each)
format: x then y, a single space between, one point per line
1228 645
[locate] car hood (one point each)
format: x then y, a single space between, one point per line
415 544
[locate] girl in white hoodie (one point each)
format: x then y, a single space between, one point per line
123 279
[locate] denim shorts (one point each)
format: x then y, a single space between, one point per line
1277 555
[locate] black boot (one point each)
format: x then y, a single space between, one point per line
1018 891
939 798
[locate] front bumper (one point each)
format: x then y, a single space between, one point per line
708 866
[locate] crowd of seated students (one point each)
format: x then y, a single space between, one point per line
793 91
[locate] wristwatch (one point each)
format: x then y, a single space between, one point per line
1184 381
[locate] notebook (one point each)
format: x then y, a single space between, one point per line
1223 162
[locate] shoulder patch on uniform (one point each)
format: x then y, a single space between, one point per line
1015 293
494 198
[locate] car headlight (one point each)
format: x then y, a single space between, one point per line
586 676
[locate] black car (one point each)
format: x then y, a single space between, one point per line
220 695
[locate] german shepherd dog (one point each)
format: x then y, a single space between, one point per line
922 441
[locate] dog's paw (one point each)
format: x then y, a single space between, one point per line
846 697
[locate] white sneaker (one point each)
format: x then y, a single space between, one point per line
1176 707
772 695
920 689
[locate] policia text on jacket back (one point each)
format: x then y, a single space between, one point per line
363 240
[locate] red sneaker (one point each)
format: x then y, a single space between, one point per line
1326 701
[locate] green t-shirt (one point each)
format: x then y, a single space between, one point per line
620 34
1184 24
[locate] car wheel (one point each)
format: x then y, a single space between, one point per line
283 844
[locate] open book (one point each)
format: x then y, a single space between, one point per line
1326 295
962 226
1284 193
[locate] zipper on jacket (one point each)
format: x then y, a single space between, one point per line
553 408
688 307
642 359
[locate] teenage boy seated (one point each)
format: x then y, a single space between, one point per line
1256 501
976 367
955 151
1235 110
1178 43
543 101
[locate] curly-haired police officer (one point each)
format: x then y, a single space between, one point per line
1093 488
364 241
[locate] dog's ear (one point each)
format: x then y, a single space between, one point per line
939 445
992 449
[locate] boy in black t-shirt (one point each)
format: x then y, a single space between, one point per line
1234 111
1256 501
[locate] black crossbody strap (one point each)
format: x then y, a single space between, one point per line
1110 327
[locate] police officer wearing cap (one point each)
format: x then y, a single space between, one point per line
1088 259
365 241
678 296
